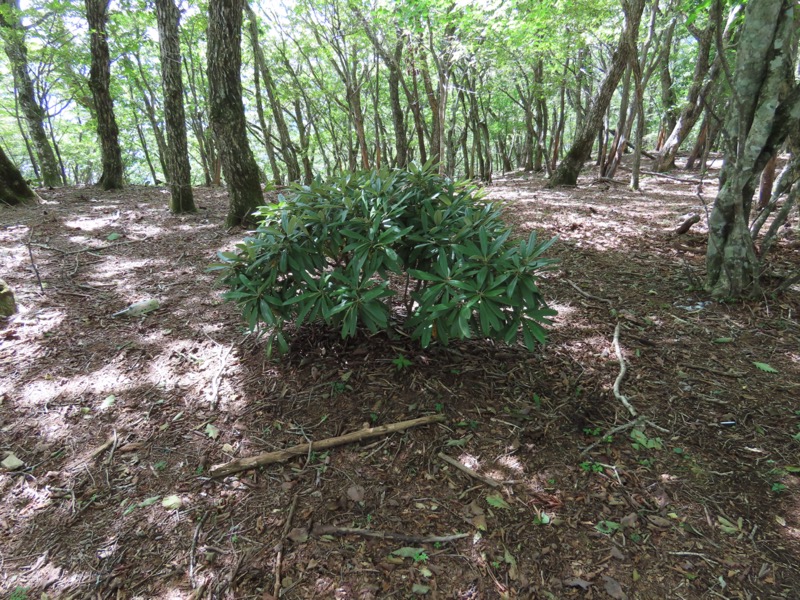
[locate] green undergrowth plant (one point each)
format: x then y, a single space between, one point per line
372 248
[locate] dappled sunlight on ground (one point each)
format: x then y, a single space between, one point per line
192 389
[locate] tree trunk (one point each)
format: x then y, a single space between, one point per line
766 107
569 168
227 110
287 146
180 177
17 52
99 82
14 189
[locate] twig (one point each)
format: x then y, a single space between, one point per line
386 535
268 458
194 547
622 370
102 448
587 295
33 263
615 430
731 374
451 461
276 590
215 381
665 176
91 249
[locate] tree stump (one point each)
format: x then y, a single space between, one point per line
8 305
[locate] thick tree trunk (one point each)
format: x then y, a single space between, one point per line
99 82
569 168
227 110
766 107
17 52
14 189
180 177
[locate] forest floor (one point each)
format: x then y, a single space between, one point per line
117 421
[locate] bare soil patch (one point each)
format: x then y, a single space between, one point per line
112 415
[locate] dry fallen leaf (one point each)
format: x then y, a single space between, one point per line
298 535
356 493
614 589
11 462
479 521
577 582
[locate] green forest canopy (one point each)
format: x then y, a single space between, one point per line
341 85
516 79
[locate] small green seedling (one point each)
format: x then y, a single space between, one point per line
607 527
589 466
401 362
642 442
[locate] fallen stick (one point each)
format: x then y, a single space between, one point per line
451 461
687 224
276 590
386 535
622 370
268 458
672 177
588 295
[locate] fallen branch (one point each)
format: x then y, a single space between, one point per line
268 458
615 430
587 295
731 374
276 590
451 461
665 176
687 224
33 263
89 249
215 381
622 370
320 530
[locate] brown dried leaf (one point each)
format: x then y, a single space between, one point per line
577 582
356 493
479 521
298 535
614 589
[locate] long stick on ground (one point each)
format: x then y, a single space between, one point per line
268 458
276 590
387 535
622 370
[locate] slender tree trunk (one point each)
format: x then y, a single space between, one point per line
227 110
180 177
14 189
287 146
766 108
17 52
569 168
149 99
99 82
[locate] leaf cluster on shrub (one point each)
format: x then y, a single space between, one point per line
374 247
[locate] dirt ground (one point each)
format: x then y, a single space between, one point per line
118 420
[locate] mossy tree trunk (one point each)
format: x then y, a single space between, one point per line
765 108
180 177
227 110
572 164
99 82
17 52
14 189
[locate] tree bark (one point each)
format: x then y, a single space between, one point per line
17 52
14 190
765 108
227 110
180 177
99 82
570 167
287 146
